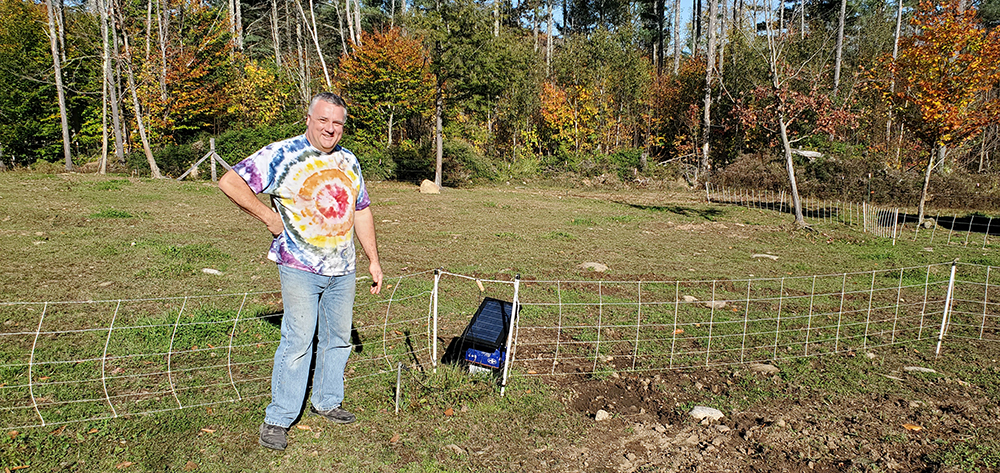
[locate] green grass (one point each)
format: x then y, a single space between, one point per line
151 238
111 213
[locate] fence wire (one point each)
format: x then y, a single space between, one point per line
64 362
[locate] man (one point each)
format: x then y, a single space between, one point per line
320 202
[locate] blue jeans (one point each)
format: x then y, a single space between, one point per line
320 306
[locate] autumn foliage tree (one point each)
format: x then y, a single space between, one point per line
938 86
386 80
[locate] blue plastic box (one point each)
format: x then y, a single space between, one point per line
490 360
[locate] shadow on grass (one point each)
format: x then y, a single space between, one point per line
707 214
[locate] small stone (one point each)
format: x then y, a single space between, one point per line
596 267
702 413
722 428
871 356
764 368
455 449
781 423
602 415
715 304
211 271
690 299
918 369
762 255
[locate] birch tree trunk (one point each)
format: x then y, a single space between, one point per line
276 33
357 20
153 168
238 24
677 36
311 26
163 21
438 132
112 75
840 46
548 42
350 23
60 91
706 163
61 29
340 27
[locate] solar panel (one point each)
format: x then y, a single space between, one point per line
489 326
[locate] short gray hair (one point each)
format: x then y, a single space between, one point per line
328 97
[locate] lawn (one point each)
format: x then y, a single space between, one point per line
80 237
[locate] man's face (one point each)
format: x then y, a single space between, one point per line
325 126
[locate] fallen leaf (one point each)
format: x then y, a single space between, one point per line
15 468
12 433
394 439
532 372
190 466
480 284
913 427
92 431
303 427
678 331
124 465
208 431
58 431
43 378
449 412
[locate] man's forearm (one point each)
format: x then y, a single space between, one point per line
240 193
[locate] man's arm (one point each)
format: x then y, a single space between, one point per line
240 193
364 227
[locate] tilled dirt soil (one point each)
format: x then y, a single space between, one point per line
794 428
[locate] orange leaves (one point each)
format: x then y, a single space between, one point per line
388 79
942 74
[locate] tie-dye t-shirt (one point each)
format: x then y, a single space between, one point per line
316 195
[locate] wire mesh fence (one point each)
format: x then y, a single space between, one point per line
882 221
63 362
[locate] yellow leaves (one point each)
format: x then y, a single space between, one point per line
913 427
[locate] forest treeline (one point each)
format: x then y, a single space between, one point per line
846 98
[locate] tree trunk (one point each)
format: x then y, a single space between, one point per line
238 24
276 33
149 28
113 77
63 118
388 135
800 220
103 13
350 23
340 27
696 19
840 46
677 36
659 6
706 163
357 20
548 43
163 20
153 168
61 29
927 185
315 38
438 132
